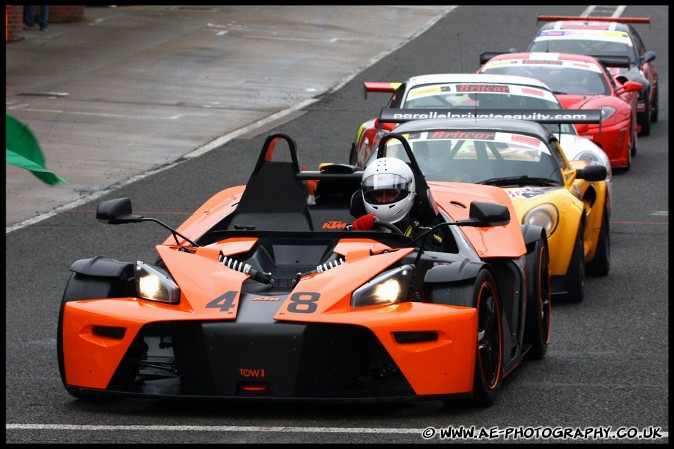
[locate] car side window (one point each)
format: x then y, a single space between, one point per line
638 43
397 98
609 77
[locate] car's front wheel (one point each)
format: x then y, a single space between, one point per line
539 306
575 274
489 356
645 117
601 262
353 156
633 149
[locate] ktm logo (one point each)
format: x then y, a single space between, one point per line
265 298
334 225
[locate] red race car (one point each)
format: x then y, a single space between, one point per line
605 37
582 82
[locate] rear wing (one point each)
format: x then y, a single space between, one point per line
542 116
607 60
614 61
543 18
377 86
487 55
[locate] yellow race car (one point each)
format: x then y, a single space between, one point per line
567 198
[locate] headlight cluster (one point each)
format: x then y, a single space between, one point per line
155 284
545 215
589 157
592 159
607 112
390 287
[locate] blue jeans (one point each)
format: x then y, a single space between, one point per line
29 16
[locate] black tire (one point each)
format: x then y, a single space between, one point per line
600 264
646 117
629 159
656 107
353 155
575 275
539 305
489 351
633 149
80 287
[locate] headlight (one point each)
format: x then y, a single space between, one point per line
592 159
607 112
390 287
155 284
545 215
589 157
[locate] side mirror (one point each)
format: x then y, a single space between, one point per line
592 173
648 57
483 214
629 86
117 211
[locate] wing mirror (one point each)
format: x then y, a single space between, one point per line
592 173
648 57
117 211
483 214
629 86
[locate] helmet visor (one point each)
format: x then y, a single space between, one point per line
385 188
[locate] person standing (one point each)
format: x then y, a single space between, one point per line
29 17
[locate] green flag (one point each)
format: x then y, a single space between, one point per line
23 150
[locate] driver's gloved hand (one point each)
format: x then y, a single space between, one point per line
364 223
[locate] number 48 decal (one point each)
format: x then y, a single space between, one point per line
300 302
303 302
223 302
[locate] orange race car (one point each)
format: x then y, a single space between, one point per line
264 293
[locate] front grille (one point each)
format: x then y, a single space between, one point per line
274 360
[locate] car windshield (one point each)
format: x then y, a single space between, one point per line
584 42
491 157
482 96
561 79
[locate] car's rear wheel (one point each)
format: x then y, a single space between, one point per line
575 274
539 306
633 149
353 156
601 263
629 155
656 107
489 356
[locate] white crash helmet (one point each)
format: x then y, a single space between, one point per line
388 189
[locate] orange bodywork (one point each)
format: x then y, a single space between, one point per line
437 367
212 294
499 241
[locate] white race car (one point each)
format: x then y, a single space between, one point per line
473 92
